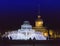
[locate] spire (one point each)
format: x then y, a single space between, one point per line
38 8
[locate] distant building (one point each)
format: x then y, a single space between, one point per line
25 33
39 26
38 32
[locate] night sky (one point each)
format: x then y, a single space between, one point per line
14 12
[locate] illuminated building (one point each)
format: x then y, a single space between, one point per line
39 32
39 26
25 33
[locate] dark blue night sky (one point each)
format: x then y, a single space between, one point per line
14 12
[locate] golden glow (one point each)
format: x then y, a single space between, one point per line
45 34
59 36
51 32
55 36
39 23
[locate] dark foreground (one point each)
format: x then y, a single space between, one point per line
29 43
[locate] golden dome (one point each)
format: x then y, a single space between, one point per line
39 21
